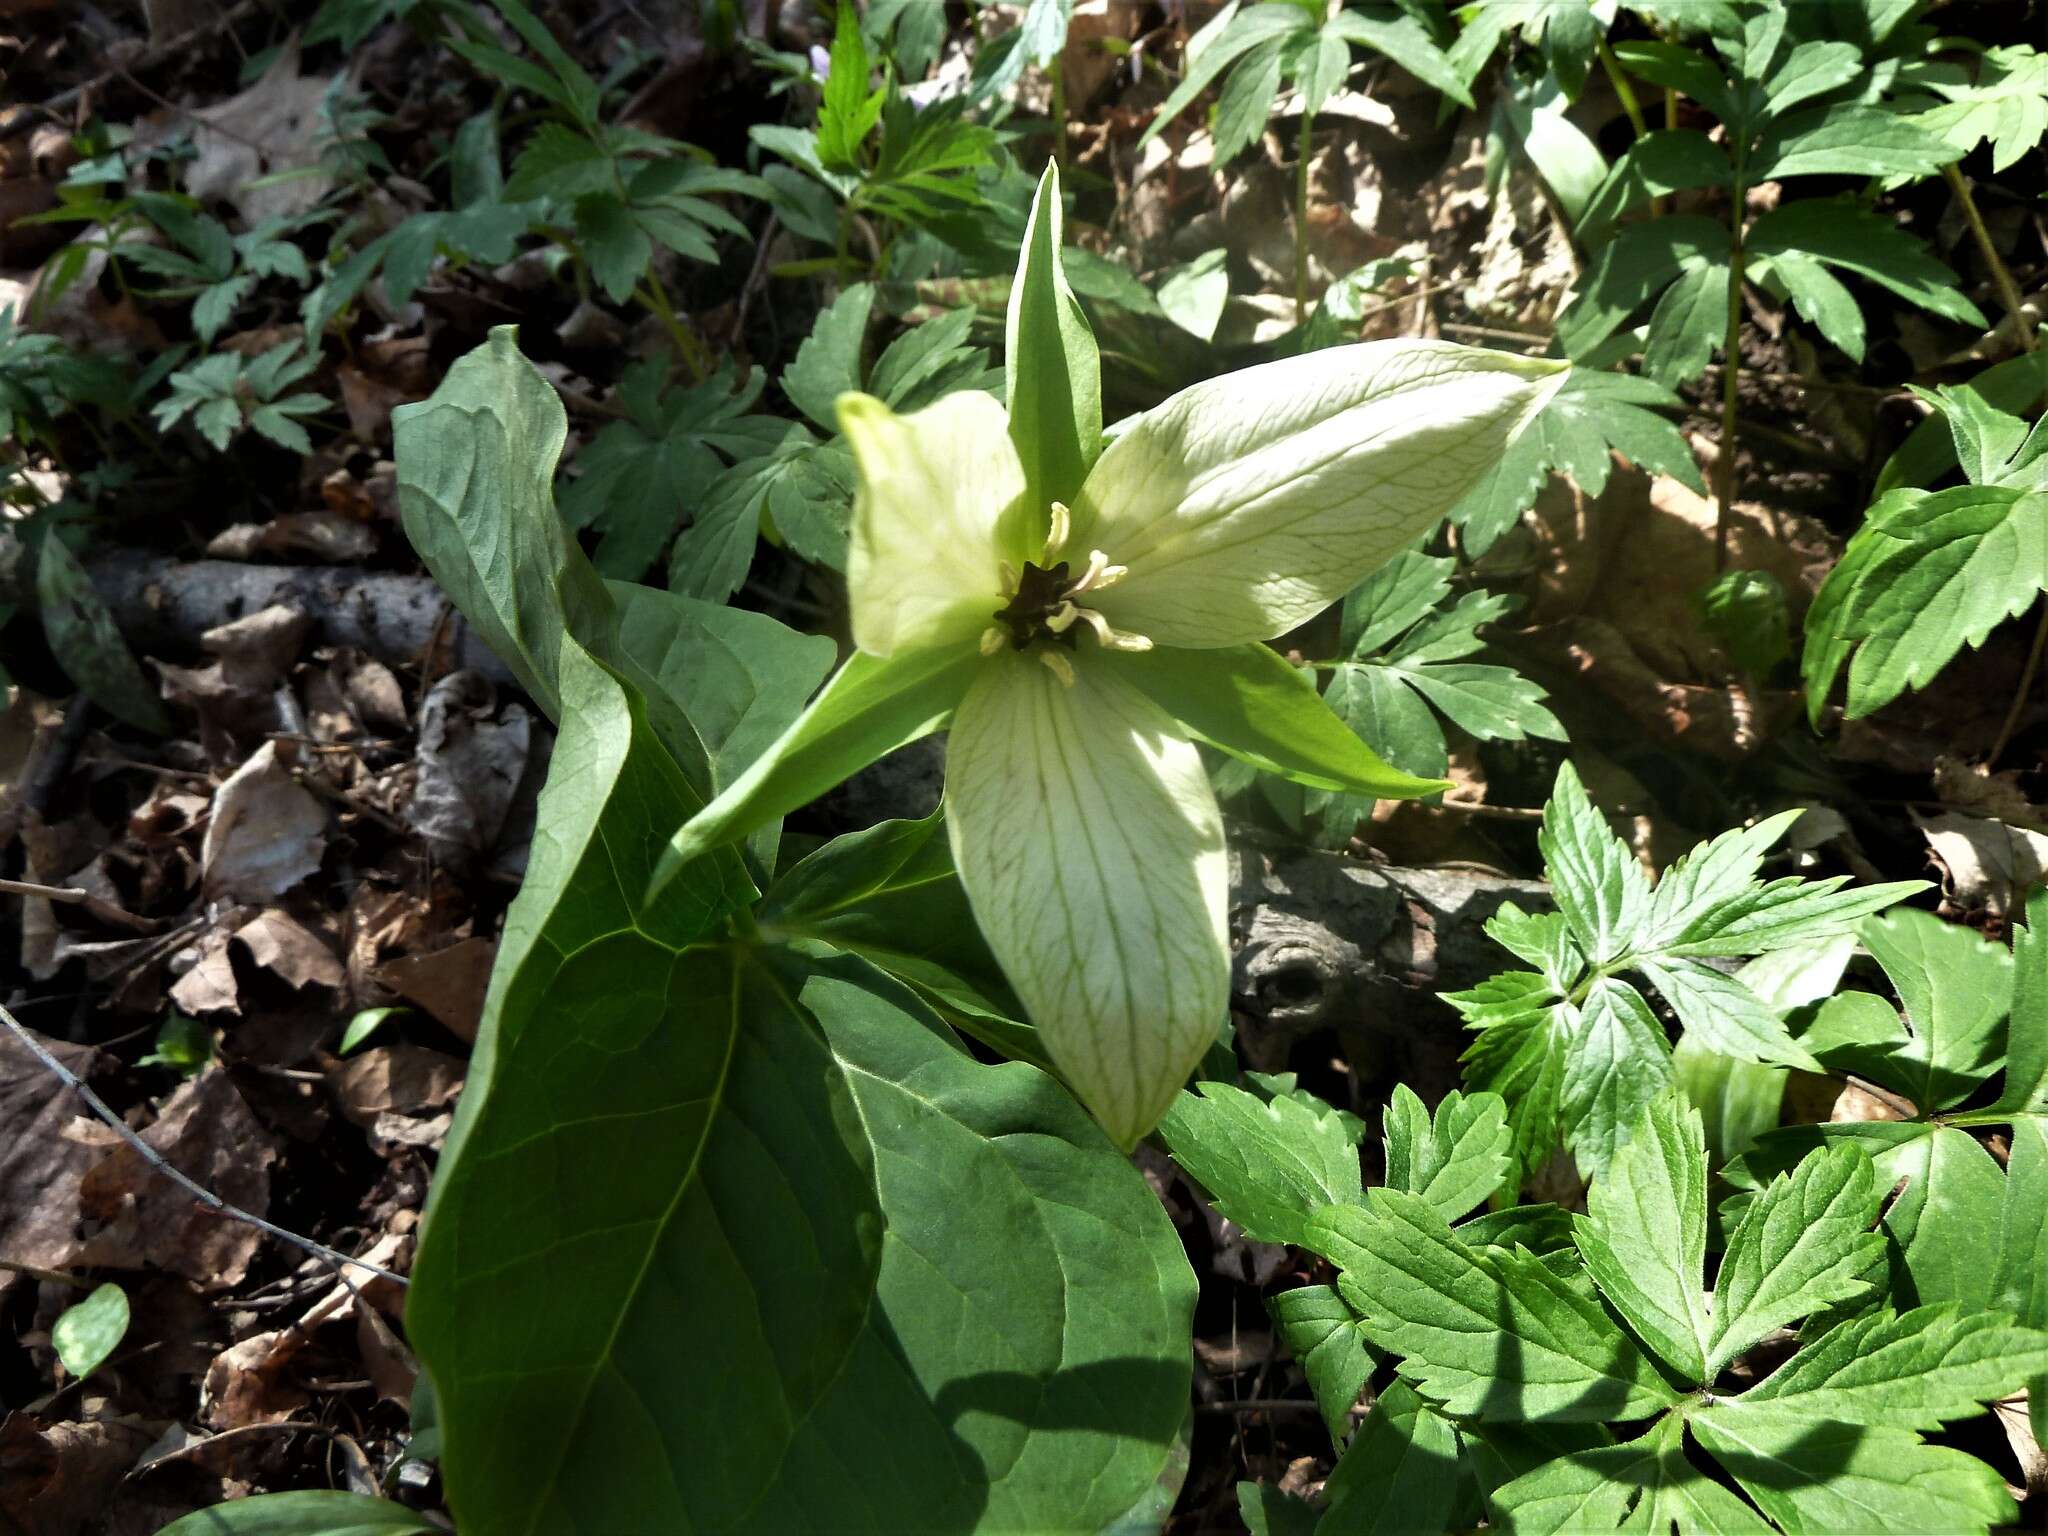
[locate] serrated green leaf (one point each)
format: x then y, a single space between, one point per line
1815 1476
1645 1485
1519 1053
1846 141
1955 988
2026 1059
1455 1159
1661 162
1269 1165
1916 1371
1321 1331
1644 1235
1394 598
1724 1015
1642 261
1600 888
1616 1057
1948 1218
1401 1473
828 363
1804 1244
2006 104
1842 234
88 644
1593 415
1926 575
847 109
1382 709
1481 1332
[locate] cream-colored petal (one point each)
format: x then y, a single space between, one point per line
1088 839
1246 505
923 568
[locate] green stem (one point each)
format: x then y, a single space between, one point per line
1618 78
2019 695
1058 71
655 298
1301 155
1731 363
2001 275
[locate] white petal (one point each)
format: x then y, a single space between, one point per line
923 568
1090 845
1246 505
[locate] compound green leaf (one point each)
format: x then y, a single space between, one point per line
1644 1235
1321 1331
1804 1244
1916 1371
88 644
1948 1219
1955 987
1599 886
1268 1164
1482 1332
1811 1475
1646 1485
1457 1159
1616 1058
2026 1050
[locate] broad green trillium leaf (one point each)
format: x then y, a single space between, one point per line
1091 612
1089 841
1248 504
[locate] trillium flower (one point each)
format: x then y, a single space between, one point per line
1083 615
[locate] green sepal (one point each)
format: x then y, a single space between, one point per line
1247 701
871 706
1053 373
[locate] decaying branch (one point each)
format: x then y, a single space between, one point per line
1328 942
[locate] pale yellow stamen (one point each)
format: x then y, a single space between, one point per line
1100 573
1057 664
1111 639
993 639
1061 619
1011 577
1056 538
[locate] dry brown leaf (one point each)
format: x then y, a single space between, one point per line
58 1479
138 1217
267 833
324 536
468 767
1990 865
449 983
206 976
250 1382
40 1168
280 113
395 1079
289 950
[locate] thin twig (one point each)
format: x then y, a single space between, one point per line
2022 316
53 1276
156 1160
2019 695
64 893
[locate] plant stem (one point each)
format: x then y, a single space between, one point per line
1731 362
656 298
2001 275
2019 695
1622 88
1058 71
1301 154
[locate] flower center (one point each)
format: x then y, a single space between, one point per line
1044 605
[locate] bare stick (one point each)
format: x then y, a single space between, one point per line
156 1160
65 893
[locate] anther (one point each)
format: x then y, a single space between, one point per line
993 639
1057 664
1056 538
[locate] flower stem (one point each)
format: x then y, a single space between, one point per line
2001 275
2019 695
1622 88
1731 357
1301 154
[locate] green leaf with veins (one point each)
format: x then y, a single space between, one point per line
1402 1472
1322 1333
1644 1234
1594 416
1647 1485
1456 1159
1403 664
2007 104
1803 1245
1916 1371
1810 1475
1483 1332
1268 1164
